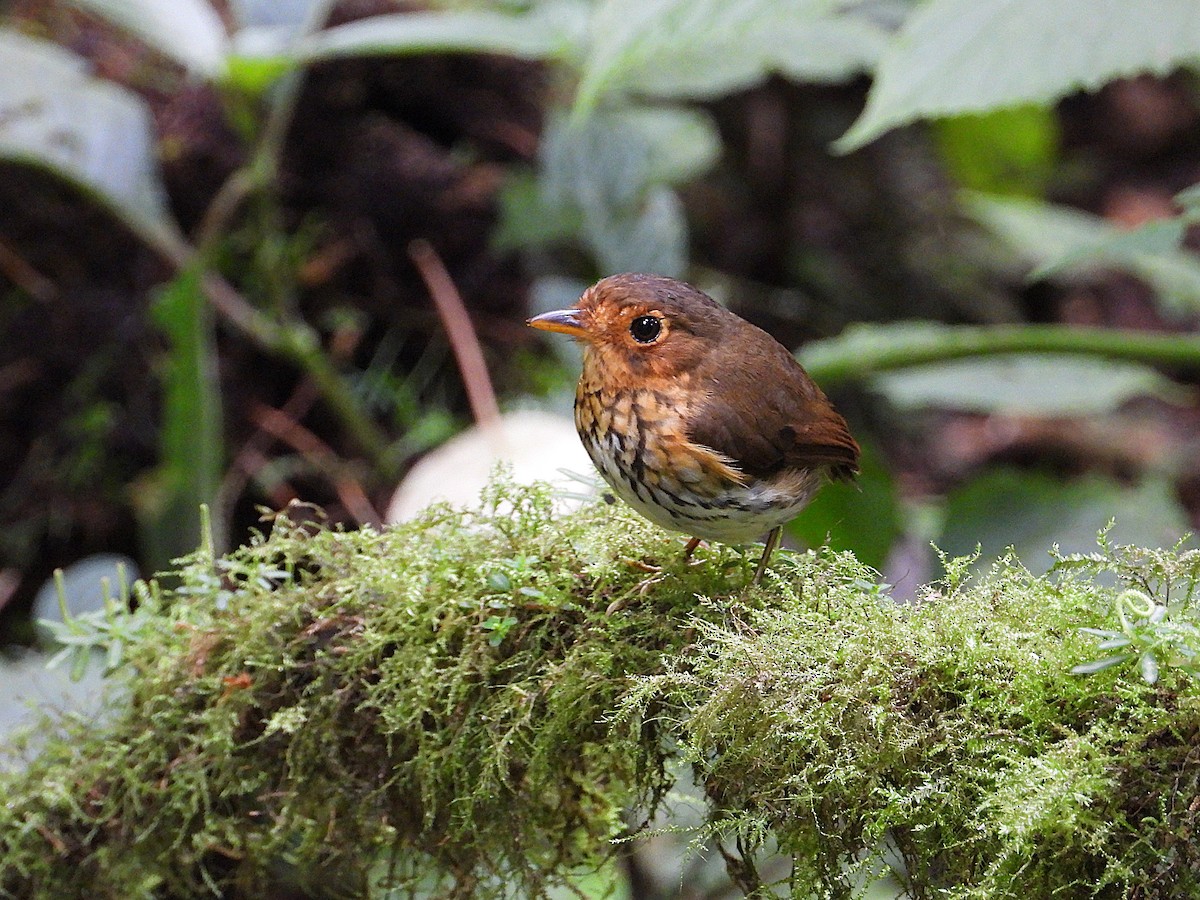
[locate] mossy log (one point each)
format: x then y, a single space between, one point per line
482 704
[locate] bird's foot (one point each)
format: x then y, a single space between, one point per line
655 575
641 565
638 590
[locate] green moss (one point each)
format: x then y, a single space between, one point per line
951 733
478 704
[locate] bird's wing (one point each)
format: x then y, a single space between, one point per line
766 415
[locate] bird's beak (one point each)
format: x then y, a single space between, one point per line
567 321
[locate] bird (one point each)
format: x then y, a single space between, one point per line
699 420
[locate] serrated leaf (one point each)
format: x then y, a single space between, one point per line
707 48
188 31
956 56
549 30
1066 242
93 133
1027 384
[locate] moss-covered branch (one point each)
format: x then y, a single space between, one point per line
478 705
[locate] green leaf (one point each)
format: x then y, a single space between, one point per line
279 22
95 134
651 237
1007 151
1149 667
1065 242
863 516
601 172
864 350
830 48
253 75
188 31
957 56
1028 384
1099 665
707 48
548 31
681 144
262 49
1031 510
527 221
1189 199
192 453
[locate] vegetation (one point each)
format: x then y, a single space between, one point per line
476 703
628 119
496 702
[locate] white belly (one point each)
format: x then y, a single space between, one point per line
734 516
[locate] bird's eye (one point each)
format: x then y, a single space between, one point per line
645 329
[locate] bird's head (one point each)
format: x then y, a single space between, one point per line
643 327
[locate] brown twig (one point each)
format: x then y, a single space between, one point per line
17 374
252 455
287 430
22 273
463 339
10 580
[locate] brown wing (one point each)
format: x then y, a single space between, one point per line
767 415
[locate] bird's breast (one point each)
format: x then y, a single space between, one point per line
637 438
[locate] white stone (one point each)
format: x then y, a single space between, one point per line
537 445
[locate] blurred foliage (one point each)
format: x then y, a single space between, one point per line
190 466
1006 151
1026 384
969 56
1065 242
1029 510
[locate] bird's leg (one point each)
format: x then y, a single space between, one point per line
654 572
640 590
772 542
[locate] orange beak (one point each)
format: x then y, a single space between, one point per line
567 321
